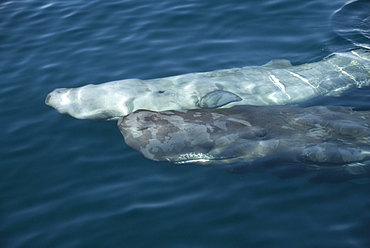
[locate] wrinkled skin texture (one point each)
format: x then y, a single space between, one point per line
276 83
321 138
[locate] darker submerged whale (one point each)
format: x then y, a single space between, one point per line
330 140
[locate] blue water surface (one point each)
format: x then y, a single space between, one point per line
75 183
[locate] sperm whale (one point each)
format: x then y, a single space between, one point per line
317 138
275 83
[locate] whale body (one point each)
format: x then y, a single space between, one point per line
276 83
320 138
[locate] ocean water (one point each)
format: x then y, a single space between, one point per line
75 183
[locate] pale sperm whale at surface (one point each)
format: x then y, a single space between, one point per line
326 138
276 83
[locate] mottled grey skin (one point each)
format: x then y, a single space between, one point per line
317 137
276 83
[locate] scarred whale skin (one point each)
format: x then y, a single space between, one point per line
276 83
320 137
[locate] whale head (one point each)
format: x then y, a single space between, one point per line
165 136
109 100
85 103
195 136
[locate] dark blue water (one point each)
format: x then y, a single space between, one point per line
75 183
